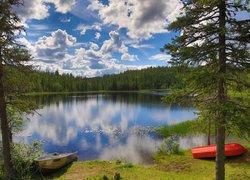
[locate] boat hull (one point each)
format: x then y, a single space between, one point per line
52 162
232 149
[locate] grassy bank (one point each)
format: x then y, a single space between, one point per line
191 127
89 92
165 167
197 127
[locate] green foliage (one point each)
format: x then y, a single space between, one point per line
182 129
124 165
150 78
117 162
169 146
23 156
198 46
15 119
14 55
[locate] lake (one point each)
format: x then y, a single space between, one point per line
105 126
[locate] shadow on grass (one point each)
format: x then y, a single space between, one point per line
54 174
244 158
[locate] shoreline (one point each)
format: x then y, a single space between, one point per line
174 166
89 92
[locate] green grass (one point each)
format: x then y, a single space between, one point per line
165 167
191 127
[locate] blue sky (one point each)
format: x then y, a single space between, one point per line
96 37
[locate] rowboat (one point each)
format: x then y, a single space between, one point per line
232 149
52 162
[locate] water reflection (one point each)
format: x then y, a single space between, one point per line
101 126
189 142
136 149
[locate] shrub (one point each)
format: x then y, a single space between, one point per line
170 145
22 158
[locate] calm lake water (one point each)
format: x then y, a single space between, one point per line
102 126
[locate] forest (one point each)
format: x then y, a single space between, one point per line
150 78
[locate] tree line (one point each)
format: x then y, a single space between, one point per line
150 78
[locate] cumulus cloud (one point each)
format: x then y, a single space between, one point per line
83 27
39 9
35 9
141 19
63 6
93 62
95 59
116 44
86 63
94 46
53 53
129 57
80 11
23 41
55 46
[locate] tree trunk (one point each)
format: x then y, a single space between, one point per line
5 129
209 132
222 95
220 154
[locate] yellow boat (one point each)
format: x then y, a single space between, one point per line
52 162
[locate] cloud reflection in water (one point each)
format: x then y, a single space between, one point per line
97 126
136 149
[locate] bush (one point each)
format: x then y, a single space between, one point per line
22 158
170 146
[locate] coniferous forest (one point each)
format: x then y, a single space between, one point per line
150 78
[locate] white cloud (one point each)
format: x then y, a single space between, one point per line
90 63
52 53
23 41
97 35
32 9
94 59
94 46
125 55
142 19
80 11
129 57
83 27
30 34
63 6
55 46
116 44
160 57
65 19
39 9
140 46
39 27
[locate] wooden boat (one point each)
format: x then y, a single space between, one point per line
232 149
52 162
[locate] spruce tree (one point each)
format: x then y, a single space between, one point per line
216 42
12 55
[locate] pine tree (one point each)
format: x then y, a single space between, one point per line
212 39
11 55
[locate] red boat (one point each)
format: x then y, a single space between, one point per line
232 149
